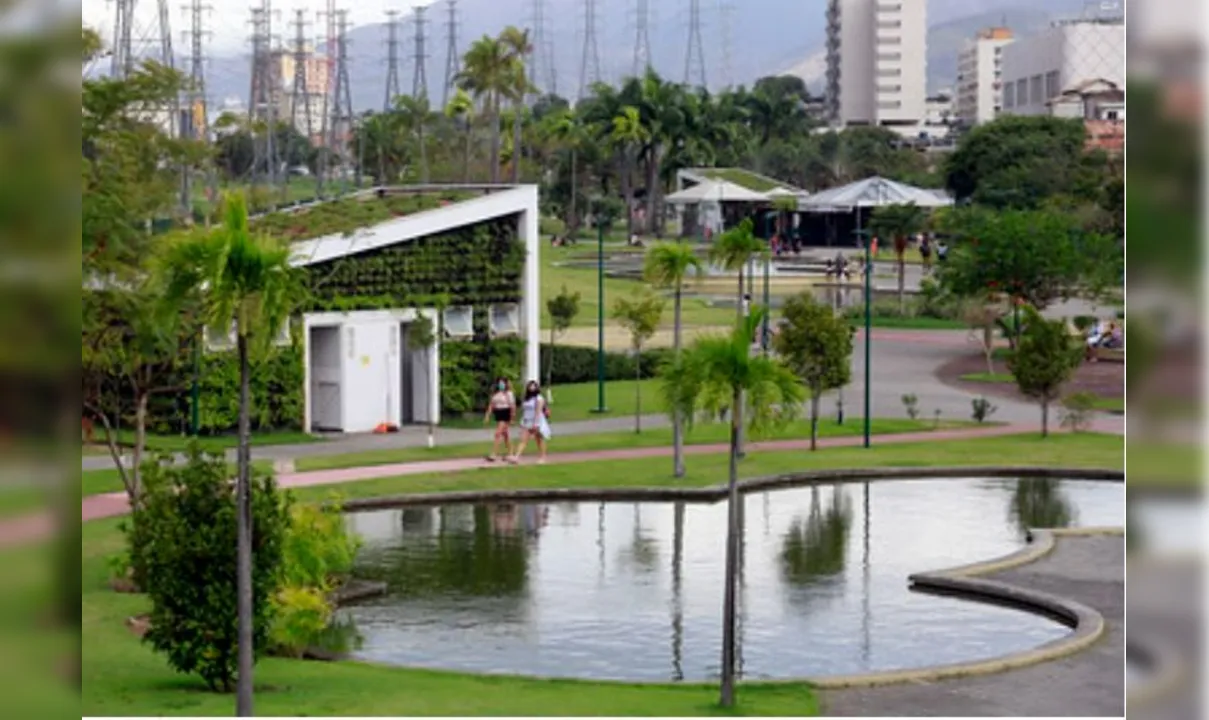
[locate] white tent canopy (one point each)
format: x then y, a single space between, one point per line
873 192
715 191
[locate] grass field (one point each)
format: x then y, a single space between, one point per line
123 677
96 482
656 437
178 443
1106 404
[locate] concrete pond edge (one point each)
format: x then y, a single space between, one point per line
1087 624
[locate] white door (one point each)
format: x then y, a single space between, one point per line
326 375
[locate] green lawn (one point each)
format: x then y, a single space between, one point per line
909 323
655 437
216 443
1165 464
989 377
122 677
96 482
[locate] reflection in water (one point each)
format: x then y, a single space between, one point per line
814 547
1039 503
495 589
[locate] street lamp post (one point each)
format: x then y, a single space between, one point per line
868 325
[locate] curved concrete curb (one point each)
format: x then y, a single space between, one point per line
1087 623
715 493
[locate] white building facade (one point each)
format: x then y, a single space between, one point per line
877 62
979 90
1038 69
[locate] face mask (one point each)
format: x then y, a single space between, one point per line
502 386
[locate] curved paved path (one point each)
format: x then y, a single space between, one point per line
1090 570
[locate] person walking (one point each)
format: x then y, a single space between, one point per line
501 408
925 253
535 423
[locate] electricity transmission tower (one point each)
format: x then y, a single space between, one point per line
726 11
300 93
694 58
419 80
589 69
262 105
129 41
340 122
542 70
194 118
642 38
452 60
392 59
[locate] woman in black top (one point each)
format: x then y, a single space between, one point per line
502 408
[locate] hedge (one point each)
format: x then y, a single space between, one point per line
574 364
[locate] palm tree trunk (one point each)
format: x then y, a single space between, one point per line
677 421
902 282
140 442
727 698
573 218
495 141
516 144
1044 418
739 396
243 542
814 421
652 188
627 192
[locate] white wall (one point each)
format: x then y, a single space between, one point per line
883 61
1075 53
857 61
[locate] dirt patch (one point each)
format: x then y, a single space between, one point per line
1104 379
139 624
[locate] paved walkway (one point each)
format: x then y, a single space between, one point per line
1090 570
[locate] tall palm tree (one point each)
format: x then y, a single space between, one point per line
244 279
413 114
668 265
461 111
628 135
518 46
712 372
899 222
488 74
570 131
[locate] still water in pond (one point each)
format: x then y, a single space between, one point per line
634 591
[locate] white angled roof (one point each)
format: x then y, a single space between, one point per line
501 203
873 192
715 191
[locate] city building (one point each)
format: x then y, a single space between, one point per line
317 70
1040 68
876 62
979 92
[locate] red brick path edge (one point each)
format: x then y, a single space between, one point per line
39 526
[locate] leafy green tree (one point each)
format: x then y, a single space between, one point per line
628 135
1019 161
413 114
245 281
1035 256
182 540
817 344
489 75
569 131
640 317
1043 361
519 46
562 308
669 265
716 372
900 223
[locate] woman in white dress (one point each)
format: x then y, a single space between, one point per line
535 422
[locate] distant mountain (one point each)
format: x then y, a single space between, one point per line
766 37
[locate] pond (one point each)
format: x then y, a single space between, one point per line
633 591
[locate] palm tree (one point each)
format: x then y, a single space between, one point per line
899 222
413 113
712 372
247 280
461 111
488 74
518 46
668 265
569 130
628 135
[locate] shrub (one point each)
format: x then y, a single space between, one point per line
911 404
318 550
578 364
982 408
1083 323
182 546
300 616
1077 410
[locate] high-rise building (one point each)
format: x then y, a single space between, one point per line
980 76
877 61
1040 68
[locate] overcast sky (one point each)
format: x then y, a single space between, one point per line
230 19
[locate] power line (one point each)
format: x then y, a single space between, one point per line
300 93
589 69
419 81
340 122
726 11
452 59
262 105
392 59
694 58
542 69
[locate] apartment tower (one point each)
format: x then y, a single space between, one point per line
877 61
979 96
